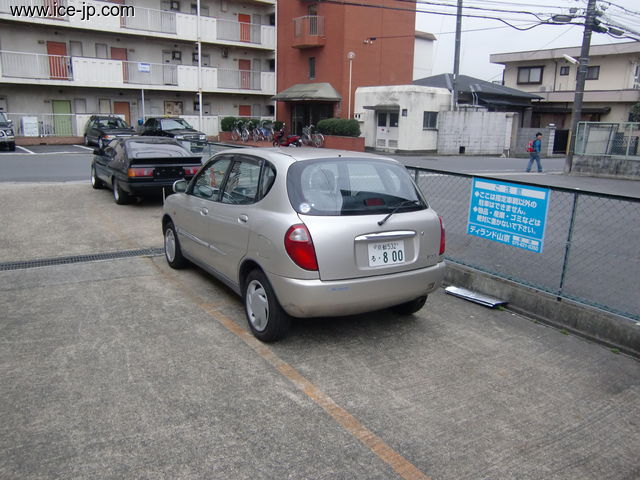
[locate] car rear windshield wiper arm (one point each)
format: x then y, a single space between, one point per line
399 206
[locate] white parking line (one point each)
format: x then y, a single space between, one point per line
25 149
82 146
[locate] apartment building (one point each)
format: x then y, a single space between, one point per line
612 84
157 57
328 49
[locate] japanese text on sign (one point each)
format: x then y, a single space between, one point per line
508 213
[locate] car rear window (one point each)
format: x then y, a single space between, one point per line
138 149
344 186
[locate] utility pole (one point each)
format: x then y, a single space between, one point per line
456 57
581 76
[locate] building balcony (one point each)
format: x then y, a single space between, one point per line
40 69
142 21
308 32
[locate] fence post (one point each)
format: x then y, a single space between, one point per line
567 248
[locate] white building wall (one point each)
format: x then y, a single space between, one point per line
422 58
412 102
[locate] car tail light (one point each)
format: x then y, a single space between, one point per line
299 246
442 236
191 170
140 172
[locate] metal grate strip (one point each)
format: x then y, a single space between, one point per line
47 262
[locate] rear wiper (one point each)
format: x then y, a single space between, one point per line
398 207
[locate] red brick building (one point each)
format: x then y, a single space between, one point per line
317 75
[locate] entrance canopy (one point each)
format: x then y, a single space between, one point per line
392 108
309 91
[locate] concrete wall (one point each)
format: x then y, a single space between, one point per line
606 166
477 132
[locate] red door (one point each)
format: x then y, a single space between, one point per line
245 27
121 54
58 69
244 110
245 73
122 108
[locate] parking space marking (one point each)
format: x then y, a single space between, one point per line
25 149
82 146
403 467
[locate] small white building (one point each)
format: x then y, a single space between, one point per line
400 117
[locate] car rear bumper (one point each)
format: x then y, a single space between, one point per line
317 298
140 188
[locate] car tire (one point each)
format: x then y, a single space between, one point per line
410 307
172 250
95 181
12 146
119 196
267 319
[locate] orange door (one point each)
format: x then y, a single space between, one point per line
121 54
245 73
57 52
244 110
245 27
122 108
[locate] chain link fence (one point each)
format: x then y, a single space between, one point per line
591 250
608 139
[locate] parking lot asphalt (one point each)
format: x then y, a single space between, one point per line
125 368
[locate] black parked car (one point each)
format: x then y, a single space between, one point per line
136 166
175 127
7 137
101 129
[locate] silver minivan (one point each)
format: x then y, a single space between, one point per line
307 233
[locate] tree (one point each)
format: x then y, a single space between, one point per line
634 114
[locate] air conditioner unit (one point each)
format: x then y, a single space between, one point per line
542 89
225 52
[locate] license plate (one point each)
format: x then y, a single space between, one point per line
386 253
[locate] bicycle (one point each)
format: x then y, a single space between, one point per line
312 137
265 131
239 131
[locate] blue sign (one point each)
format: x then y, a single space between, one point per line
508 213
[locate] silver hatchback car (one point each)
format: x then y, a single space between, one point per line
307 233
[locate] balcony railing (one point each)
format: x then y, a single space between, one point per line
144 21
151 20
108 73
308 32
35 65
239 31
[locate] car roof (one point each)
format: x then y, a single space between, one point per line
290 155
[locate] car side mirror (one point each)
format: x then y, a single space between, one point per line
180 186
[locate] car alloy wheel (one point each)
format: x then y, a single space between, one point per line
257 306
120 197
95 181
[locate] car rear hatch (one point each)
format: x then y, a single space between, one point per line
342 203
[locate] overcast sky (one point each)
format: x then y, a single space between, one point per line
492 36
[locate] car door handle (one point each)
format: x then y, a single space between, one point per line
243 219
204 211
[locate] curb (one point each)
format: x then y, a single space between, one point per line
610 330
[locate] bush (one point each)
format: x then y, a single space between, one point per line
277 125
226 124
343 127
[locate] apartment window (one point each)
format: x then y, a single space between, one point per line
101 50
80 105
312 68
530 75
75 48
204 11
429 120
564 71
593 73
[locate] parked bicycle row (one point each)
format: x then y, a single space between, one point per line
243 130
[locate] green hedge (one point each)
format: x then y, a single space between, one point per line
227 123
343 127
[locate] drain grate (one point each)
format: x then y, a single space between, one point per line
47 262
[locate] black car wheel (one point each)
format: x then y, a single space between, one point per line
120 196
410 307
95 181
267 320
172 251
12 146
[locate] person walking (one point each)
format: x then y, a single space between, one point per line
534 153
